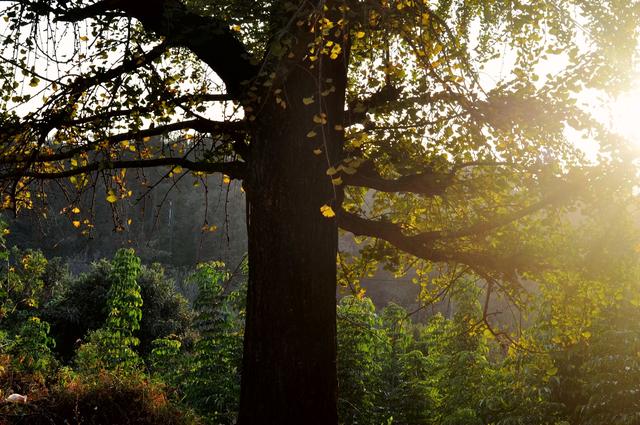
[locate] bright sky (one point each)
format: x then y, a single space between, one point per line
624 114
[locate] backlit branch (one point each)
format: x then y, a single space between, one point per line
234 169
394 232
209 38
200 125
428 182
432 245
428 249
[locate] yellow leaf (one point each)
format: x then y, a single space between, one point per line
111 198
76 223
327 211
129 221
177 169
361 293
74 162
337 181
360 34
84 38
331 171
311 134
307 100
320 119
211 228
335 51
76 210
226 179
317 151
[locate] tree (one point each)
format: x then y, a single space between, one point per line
370 116
124 304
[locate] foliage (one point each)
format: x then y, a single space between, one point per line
111 346
610 369
390 369
23 335
109 399
207 376
105 386
361 345
125 309
448 370
80 306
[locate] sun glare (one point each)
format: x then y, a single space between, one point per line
624 115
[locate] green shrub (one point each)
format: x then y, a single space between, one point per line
212 386
111 346
80 306
24 337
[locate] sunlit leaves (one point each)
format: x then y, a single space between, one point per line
111 197
327 211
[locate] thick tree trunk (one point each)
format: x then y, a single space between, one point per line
289 370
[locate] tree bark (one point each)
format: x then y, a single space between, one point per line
289 369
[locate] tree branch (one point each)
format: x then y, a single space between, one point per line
426 249
428 182
564 192
234 169
428 245
198 124
209 38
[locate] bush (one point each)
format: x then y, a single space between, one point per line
81 306
109 399
207 376
24 337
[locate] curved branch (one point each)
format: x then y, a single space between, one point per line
428 182
234 169
209 38
200 125
427 249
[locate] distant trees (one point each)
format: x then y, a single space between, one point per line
167 226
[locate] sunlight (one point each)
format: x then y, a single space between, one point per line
624 117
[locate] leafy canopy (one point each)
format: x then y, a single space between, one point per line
433 158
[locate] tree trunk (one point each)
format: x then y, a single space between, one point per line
289 370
